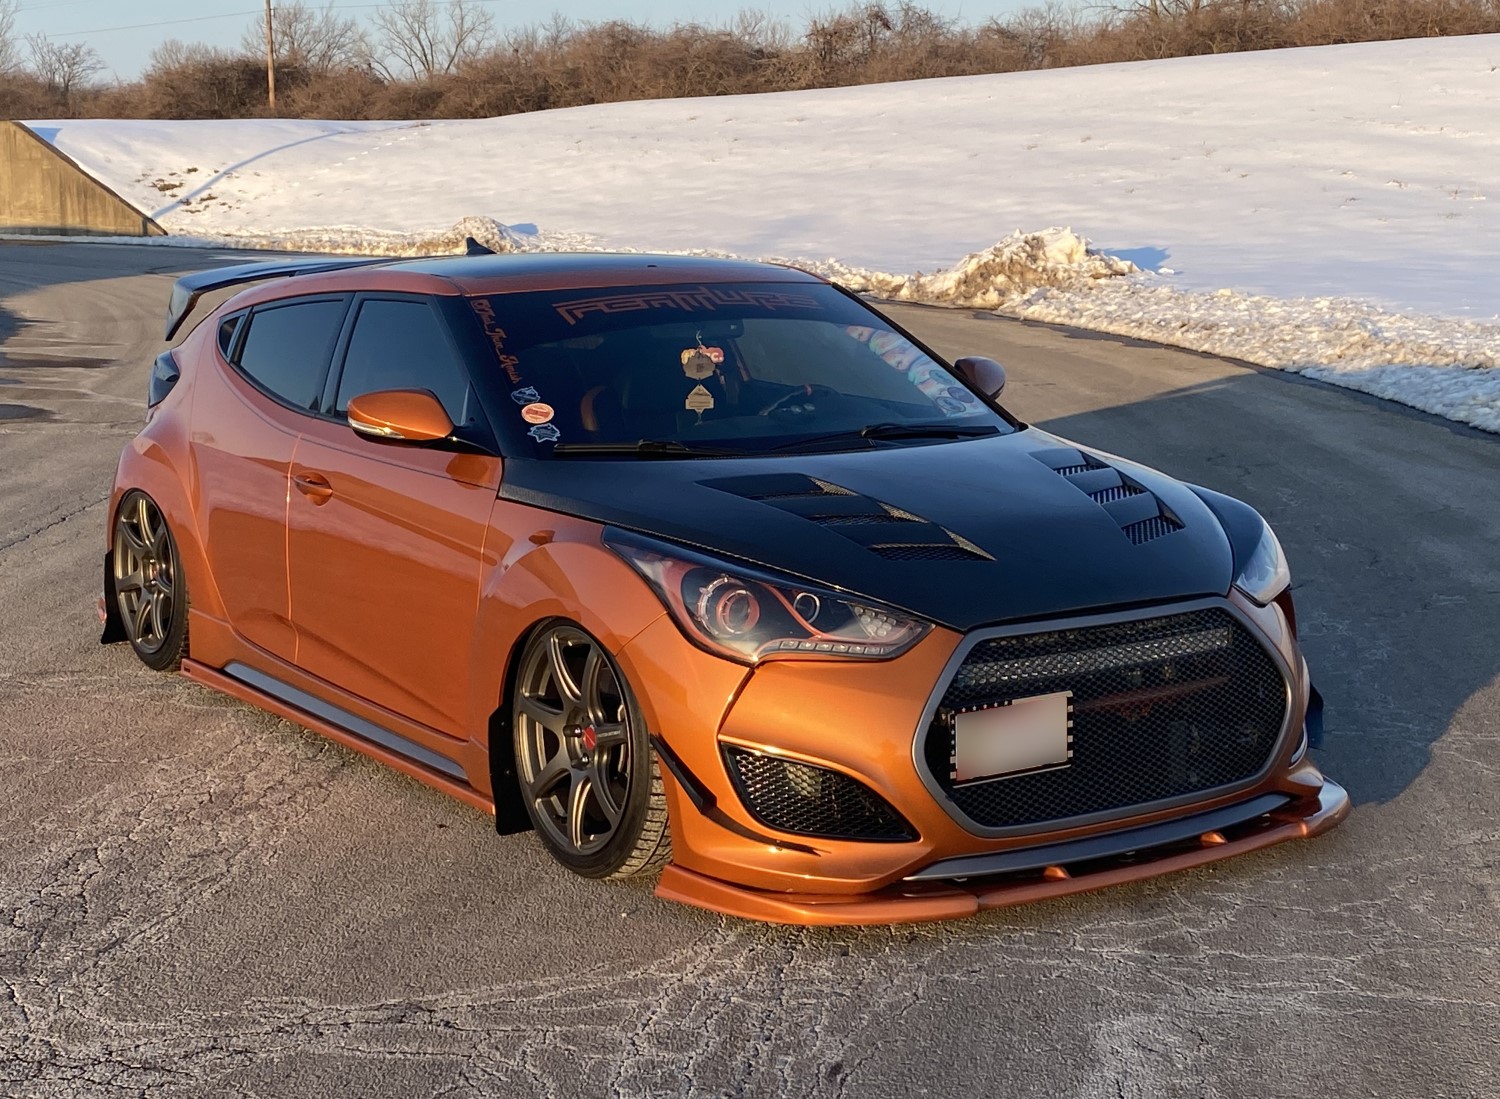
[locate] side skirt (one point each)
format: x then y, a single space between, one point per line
248 685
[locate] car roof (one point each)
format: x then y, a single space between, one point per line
507 272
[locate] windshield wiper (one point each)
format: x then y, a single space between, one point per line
647 448
898 431
927 431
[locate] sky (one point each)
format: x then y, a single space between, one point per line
114 27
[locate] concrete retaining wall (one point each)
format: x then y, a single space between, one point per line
43 191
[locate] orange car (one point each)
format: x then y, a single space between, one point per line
707 567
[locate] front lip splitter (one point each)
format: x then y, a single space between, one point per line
917 899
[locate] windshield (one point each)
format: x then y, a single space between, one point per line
721 369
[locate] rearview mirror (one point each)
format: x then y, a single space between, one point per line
985 375
400 415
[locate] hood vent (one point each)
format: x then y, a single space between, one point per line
883 529
1141 515
898 551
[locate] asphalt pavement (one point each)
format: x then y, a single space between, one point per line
198 899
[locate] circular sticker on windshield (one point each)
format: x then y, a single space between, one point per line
537 413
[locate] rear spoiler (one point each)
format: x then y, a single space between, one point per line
188 289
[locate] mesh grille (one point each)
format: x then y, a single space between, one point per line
1163 708
812 801
859 520
1147 529
950 552
1119 492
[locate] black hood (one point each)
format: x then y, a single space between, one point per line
964 534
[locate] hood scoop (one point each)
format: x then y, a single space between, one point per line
883 529
1139 512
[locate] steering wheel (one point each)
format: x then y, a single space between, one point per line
805 392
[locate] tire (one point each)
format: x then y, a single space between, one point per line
588 777
150 591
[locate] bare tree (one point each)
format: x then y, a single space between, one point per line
318 40
63 68
10 56
421 39
1159 9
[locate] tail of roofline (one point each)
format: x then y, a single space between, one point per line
187 290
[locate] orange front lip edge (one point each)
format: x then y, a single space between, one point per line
917 902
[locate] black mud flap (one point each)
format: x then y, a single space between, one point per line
114 628
1314 722
510 811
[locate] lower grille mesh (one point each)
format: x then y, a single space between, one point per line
812 801
1163 708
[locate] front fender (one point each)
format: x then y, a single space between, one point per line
548 566
155 462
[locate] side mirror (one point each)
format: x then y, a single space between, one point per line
985 375
400 415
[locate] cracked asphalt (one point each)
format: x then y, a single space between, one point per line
198 899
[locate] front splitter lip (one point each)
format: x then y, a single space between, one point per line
917 902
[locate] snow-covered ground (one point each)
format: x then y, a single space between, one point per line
1323 210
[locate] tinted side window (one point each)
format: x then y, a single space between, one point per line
403 345
287 348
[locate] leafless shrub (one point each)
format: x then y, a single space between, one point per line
196 81
354 92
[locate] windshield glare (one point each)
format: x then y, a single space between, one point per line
752 367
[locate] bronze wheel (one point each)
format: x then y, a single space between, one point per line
583 758
148 585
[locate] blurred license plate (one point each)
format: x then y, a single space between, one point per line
1026 735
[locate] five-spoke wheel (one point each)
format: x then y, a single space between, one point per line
150 593
586 769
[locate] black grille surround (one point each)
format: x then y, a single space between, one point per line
1168 708
806 800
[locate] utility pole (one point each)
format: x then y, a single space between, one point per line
270 61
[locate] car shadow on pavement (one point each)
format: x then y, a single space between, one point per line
1389 520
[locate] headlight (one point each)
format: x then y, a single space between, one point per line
749 616
1265 575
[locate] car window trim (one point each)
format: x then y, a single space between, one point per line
230 354
243 331
480 434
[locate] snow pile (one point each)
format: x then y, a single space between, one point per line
356 241
1440 365
990 279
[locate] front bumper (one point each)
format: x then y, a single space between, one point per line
859 719
918 901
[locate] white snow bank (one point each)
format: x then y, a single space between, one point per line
993 277
1439 365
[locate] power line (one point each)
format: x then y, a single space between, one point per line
162 23
56 4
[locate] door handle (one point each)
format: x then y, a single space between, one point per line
314 486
